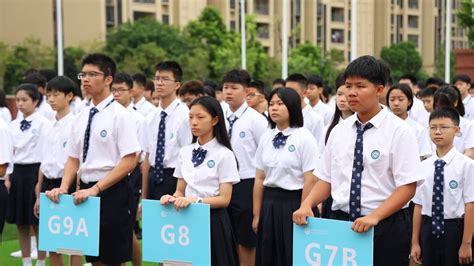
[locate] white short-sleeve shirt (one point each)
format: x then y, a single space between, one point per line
246 133
54 140
113 135
314 123
27 144
139 122
284 167
422 136
465 139
418 112
144 107
5 115
218 167
6 152
324 111
390 159
177 133
469 108
458 184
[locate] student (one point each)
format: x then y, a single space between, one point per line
137 92
400 101
312 120
245 127
43 108
256 98
376 194
166 130
121 90
155 99
102 151
418 113
26 131
285 159
463 83
4 111
149 89
191 90
315 89
278 83
443 218
449 96
426 96
53 138
206 171
6 168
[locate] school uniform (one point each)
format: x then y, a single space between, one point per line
469 107
324 111
144 107
284 156
464 140
6 157
5 115
447 188
165 139
101 136
245 126
205 168
54 139
422 136
26 158
315 124
362 179
418 112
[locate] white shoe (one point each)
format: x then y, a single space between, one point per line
33 255
16 254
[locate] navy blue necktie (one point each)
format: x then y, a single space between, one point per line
357 168
25 125
199 155
437 208
279 140
87 134
231 120
160 149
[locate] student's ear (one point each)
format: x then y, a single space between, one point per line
69 96
215 120
379 90
108 81
457 131
178 85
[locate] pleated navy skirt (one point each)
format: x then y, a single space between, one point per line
223 243
22 194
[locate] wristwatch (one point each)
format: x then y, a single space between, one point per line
199 200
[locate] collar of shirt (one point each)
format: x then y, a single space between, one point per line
130 106
376 121
306 109
64 120
209 145
32 117
448 157
467 99
239 111
287 131
170 109
140 102
101 106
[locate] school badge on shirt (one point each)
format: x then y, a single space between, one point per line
375 154
103 133
453 184
211 163
242 134
291 148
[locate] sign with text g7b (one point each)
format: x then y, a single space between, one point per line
171 235
68 228
331 242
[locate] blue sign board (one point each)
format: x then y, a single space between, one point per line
171 235
69 228
331 242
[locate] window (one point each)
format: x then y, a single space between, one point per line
232 25
110 16
337 14
263 31
139 15
337 36
413 22
145 1
165 19
262 7
413 38
413 4
392 38
232 4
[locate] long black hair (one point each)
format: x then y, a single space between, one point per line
448 96
292 101
214 108
340 81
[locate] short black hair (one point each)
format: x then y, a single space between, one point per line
448 96
35 78
446 112
122 77
48 73
462 77
298 78
405 89
279 81
340 81
105 63
209 91
212 84
315 80
259 85
3 99
410 77
434 81
292 101
171 66
62 84
193 87
327 91
368 67
237 76
427 92
32 91
140 79
30 71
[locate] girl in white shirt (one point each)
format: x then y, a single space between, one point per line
206 171
4 111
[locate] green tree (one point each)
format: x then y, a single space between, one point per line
4 53
72 61
439 63
403 58
466 19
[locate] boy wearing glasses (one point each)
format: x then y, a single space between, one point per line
102 151
443 218
165 132
256 97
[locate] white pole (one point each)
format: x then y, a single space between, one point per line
59 36
353 30
242 34
284 39
447 51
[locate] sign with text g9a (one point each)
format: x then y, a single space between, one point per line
171 235
69 228
330 242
